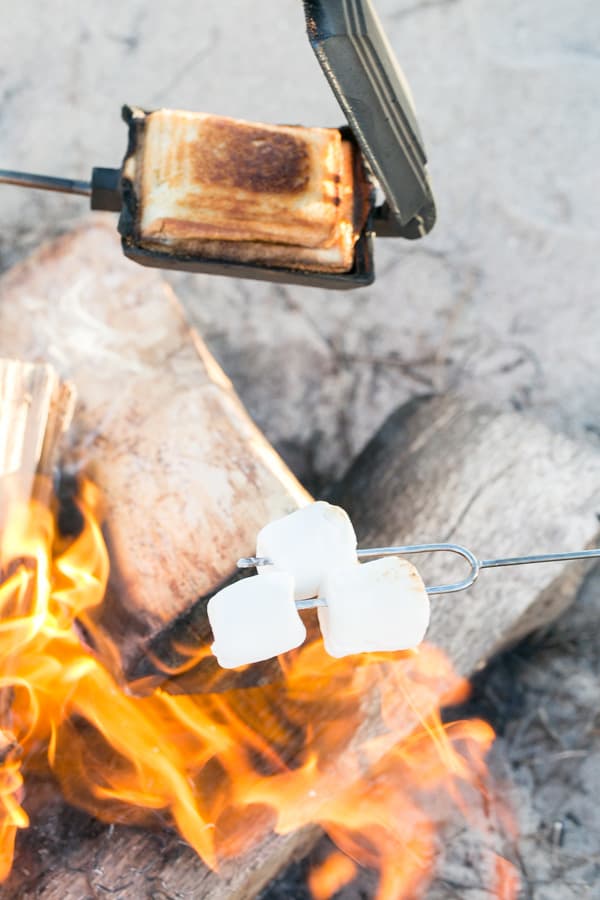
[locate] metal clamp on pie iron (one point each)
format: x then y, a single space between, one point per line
204 193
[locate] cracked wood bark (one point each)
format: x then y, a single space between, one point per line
35 410
186 476
439 469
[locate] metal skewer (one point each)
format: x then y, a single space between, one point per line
475 564
46 182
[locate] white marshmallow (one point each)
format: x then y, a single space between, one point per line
255 619
307 543
380 605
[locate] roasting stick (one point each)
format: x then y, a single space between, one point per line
46 182
476 565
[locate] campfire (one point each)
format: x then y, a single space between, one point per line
109 691
225 769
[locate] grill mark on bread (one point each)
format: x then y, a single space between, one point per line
247 158
337 258
300 162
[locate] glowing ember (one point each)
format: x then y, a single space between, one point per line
226 769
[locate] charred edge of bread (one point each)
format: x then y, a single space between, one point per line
135 118
257 253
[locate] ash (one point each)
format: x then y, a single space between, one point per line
542 699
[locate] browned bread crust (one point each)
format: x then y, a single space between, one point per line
217 188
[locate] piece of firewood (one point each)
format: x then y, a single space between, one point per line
438 470
446 470
186 477
35 410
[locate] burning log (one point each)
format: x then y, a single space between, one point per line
35 410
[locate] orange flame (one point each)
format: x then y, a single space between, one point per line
334 873
356 744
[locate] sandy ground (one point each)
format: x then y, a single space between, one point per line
501 302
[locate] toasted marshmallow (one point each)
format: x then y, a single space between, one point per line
255 619
380 605
307 543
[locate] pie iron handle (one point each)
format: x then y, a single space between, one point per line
362 70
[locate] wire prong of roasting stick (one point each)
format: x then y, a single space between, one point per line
475 564
46 182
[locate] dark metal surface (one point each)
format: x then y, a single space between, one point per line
106 189
361 275
45 182
360 66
